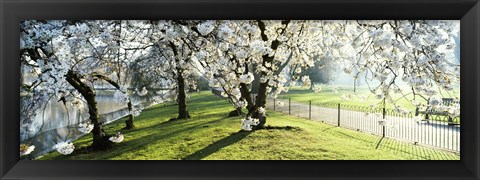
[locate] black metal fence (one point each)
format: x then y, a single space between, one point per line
434 131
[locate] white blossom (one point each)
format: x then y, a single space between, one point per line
236 93
317 89
247 78
306 81
143 92
347 70
454 110
214 83
248 122
261 110
85 127
26 150
64 148
223 94
280 103
241 104
117 138
206 27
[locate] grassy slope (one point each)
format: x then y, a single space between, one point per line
327 95
209 134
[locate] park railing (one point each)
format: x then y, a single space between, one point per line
434 132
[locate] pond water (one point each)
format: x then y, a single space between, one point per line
56 123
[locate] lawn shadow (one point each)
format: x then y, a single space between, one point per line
179 122
419 151
138 143
397 146
358 135
212 148
287 128
327 129
379 142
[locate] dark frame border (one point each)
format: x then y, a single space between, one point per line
13 11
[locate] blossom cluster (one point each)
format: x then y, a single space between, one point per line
26 149
417 52
261 110
85 127
117 138
64 148
248 122
143 92
247 78
317 89
206 27
306 81
241 103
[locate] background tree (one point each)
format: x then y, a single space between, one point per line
168 63
322 72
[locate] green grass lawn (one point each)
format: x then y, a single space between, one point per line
210 134
328 95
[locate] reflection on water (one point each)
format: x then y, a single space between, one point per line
57 123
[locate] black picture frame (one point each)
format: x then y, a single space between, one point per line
13 11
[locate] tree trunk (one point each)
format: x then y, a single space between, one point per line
182 97
261 99
247 96
129 121
100 140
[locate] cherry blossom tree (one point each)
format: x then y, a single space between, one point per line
169 63
246 52
132 40
65 54
416 52
35 50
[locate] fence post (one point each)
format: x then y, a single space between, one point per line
383 128
338 122
310 109
289 106
274 104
